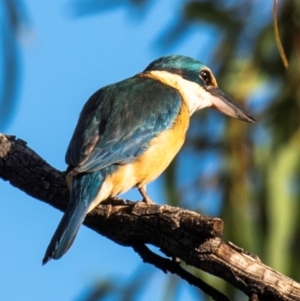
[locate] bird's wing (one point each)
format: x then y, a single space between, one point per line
118 122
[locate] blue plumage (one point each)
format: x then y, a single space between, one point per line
111 132
184 66
84 189
129 132
122 119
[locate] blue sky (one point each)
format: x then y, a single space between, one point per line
63 61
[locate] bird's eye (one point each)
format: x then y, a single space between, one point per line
206 77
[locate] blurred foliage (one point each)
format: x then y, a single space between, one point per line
259 178
13 22
249 173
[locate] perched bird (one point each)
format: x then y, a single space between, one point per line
129 132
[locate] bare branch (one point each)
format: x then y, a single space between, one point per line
179 233
173 266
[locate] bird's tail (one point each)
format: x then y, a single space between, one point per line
84 190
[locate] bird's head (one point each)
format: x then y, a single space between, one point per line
197 85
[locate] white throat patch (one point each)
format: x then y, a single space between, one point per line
193 94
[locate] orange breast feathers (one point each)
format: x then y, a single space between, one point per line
161 151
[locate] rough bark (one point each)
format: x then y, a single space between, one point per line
179 233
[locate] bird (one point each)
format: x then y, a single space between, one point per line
129 132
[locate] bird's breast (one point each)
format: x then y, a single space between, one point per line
154 160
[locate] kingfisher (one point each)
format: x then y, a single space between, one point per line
129 132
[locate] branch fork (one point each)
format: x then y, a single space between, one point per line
179 233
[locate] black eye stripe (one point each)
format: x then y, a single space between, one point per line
206 77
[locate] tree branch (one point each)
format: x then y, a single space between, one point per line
173 266
179 233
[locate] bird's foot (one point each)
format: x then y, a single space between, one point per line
146 199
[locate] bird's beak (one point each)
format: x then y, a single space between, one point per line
224 104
